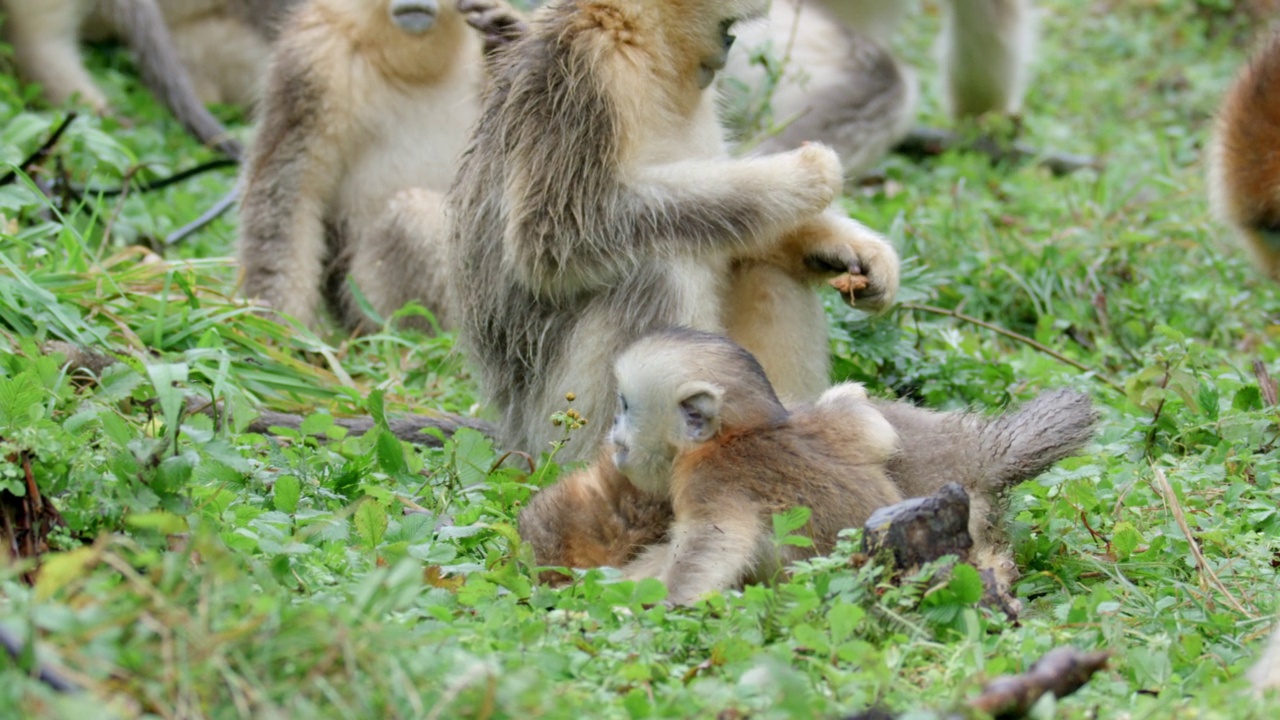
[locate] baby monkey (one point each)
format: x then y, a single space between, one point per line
702 454
699 421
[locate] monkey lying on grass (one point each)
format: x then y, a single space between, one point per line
702 454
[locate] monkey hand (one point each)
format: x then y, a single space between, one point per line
864 264
496 21
809 177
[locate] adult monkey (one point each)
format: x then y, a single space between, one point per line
369 104
597 202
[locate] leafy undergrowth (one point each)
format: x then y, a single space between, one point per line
199 571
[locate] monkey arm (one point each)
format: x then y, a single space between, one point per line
705 554
497 22
567 237
294 168
830 244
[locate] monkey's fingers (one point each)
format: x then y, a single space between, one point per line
497 22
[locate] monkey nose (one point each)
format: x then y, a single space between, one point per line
414 16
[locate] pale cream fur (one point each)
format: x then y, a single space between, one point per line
389 113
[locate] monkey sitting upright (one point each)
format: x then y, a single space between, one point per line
1244 158
598 202
702 454
368 107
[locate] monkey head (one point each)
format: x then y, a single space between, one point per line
678 389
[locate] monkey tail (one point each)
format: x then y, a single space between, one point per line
1244 157
1022 444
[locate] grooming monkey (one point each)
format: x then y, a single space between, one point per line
368 106
702 453
597 202
189 52
1244 158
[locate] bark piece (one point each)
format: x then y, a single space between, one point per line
919 530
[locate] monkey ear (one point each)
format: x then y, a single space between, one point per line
700 407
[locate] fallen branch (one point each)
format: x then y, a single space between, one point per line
47 675
1059 672
410 428
930 142
41 152
1018 337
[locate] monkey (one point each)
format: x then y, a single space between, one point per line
840 85
701 440
368 106
837 86
189 52
1244 165
699 422
597 202
985 47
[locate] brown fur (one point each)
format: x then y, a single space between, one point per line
597 203
764 460
362 125
1244 177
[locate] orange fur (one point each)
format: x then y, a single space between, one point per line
1245 157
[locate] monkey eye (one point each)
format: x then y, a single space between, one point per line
725 36
622 400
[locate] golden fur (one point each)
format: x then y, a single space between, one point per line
1244 158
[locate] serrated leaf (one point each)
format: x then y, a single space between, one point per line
286 493
371 523
966 583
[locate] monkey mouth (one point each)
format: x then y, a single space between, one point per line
414 16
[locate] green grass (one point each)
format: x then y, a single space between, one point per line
205 572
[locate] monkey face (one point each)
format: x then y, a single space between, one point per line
414 16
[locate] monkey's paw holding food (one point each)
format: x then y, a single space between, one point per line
848 285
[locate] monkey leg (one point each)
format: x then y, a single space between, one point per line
45 39
400 259
704 556
986 48
779 319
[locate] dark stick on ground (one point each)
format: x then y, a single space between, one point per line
41 152
920 530
924 142
16 649
1059 672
